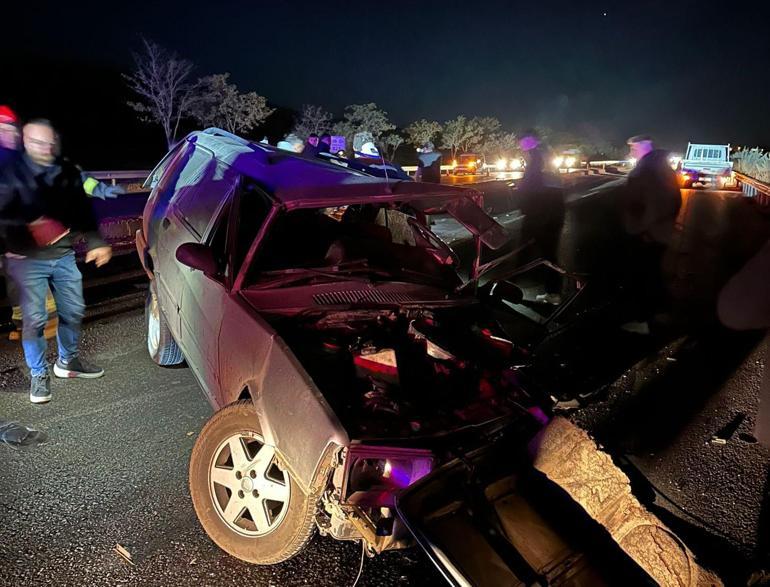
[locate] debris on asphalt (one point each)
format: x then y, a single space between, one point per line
190 433
124 554
17 435
726 433
572 404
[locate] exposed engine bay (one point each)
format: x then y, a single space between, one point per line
407 373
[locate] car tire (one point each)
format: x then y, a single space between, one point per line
285 530
160 343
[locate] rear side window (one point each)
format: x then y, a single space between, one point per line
174 173
204 192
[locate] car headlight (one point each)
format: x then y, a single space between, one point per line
558 162
501 164
515 163
569 162
373 474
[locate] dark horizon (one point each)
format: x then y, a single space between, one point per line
682 70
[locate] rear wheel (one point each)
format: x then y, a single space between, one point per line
160 344
247 503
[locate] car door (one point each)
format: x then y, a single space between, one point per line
169 230
208 214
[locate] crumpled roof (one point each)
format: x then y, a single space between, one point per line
299 181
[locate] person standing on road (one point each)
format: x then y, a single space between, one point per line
428 164
53 204
541 201
652 198
649 206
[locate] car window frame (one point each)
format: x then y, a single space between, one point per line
275 210
228 217
165 165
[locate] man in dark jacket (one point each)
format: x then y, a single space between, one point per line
428 164
652 198
649 207
43 206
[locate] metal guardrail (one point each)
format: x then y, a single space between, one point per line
754 189
132 174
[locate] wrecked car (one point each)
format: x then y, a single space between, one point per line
362 388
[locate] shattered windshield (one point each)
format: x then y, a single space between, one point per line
378 242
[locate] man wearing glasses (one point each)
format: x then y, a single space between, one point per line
54 206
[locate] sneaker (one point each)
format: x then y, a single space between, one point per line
40 389
76 368
548 298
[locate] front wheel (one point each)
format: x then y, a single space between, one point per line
247 503
160 343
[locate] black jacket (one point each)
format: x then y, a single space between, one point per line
651 200
29 191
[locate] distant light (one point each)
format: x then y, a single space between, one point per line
558 162
515 163
569 162
501 164
604 14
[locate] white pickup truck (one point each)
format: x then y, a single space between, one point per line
708 165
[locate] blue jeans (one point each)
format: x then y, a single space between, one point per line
32 278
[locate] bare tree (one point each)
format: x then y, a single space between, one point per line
314 119
391 141
422 131
161 80
221 104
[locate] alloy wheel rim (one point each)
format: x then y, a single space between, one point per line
249 490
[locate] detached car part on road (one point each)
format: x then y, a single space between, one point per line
347 361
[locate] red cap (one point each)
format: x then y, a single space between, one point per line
8 116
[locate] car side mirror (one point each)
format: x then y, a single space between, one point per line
197 256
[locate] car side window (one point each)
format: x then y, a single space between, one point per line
206 188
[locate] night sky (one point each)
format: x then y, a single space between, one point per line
680 69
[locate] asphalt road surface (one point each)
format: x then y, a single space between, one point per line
115 469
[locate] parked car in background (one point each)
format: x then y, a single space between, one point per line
469 164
